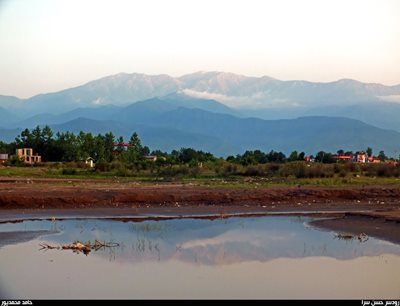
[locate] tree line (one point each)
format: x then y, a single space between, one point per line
69 147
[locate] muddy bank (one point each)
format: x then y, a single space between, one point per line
61 194
154 213
377 227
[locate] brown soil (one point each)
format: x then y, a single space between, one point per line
58 193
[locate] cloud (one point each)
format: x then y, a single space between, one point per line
236 236
390 98
257 100
225 99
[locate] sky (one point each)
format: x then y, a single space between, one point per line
50 45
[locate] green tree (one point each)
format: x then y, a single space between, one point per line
120 147
324 157
159 153
340 152
145 151
293 156
231 159
48 143
369 151
66 147
187 155
260 156
277 157
87 145
38 142
99 148
47 134
382 156
4 147
24 140
109 140
135 150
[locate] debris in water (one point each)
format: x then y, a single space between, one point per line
79 247
349 236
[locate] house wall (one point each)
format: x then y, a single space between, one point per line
361 158
3 158
89 162
27 155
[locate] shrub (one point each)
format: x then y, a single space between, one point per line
350 167
252 171
383 170
273 168
116 164
68 171
230 169
122 172
15 161
102 166
173 171
70 165
296 169
82 165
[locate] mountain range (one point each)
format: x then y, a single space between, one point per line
219 112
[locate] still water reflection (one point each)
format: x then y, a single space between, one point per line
265 257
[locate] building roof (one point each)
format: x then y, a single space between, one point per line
342 157
121 144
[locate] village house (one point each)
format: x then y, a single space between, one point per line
343 157
309 159
373 159
358 157
361 157
89 161
119 147
3 158
26 155
123 146
152 158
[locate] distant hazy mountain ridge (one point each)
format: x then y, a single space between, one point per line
234 90
196 111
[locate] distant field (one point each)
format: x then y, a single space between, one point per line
210 177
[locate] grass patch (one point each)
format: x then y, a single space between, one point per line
284 176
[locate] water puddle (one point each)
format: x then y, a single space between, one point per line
255 257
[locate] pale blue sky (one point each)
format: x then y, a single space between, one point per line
49 45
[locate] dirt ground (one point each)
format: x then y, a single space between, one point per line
58 193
